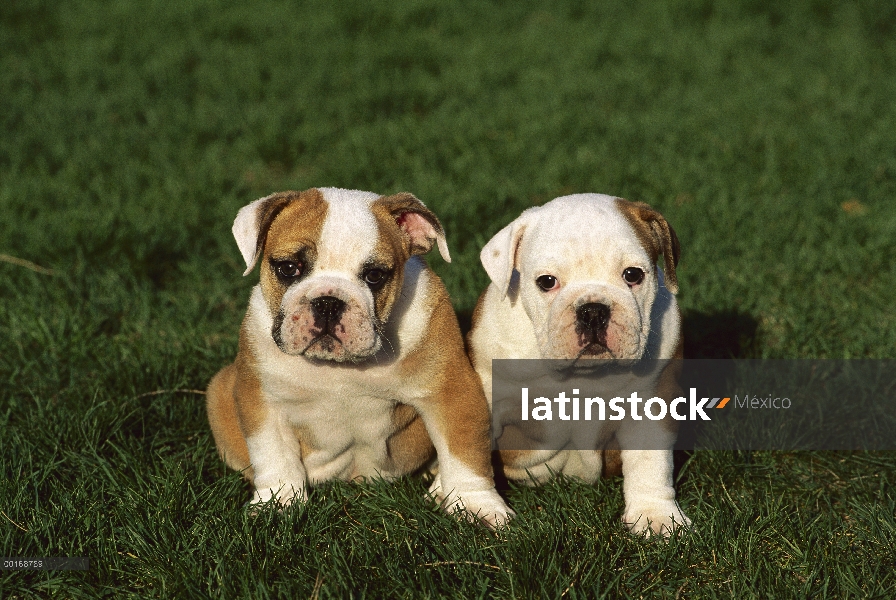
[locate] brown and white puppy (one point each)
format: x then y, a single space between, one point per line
577 278
351 362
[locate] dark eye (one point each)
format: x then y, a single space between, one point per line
547 283
375 277
633 275
288 269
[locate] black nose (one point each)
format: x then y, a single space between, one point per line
327 309
594 316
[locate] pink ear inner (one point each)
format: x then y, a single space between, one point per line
418 228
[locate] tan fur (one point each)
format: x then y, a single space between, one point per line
247 387
462 407
612 460
235 408
225 422
296 225
392 249
474 321
656 235
305 437
409 445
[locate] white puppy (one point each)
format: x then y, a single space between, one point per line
578 278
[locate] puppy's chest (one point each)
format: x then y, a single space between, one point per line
342 421
333 421
340 437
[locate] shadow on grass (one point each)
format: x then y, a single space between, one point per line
724 334
465 319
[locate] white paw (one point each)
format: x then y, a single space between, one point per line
285 495
485 506
661 518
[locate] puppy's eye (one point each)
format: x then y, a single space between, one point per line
547 283
375 277
288 269
633 275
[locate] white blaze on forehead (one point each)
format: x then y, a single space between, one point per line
586 217
587 227
350 231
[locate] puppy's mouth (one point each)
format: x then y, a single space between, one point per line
318 341
595 349
328 347
327 329
325 341
333 344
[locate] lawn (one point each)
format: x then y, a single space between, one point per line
131 133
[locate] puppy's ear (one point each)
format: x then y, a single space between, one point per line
499 256
417 222
250 228
656 235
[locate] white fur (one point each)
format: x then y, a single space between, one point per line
586 242
462 489
349 233
277 463
245 232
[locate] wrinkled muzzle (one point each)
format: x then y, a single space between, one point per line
327 318
593 321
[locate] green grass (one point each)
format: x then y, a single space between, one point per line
131 133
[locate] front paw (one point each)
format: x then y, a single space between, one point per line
485 506
286 495
661 518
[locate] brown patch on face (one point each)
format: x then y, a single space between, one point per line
392 251
293 232
403 222
265 215
656 235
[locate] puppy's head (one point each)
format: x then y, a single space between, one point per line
332 265
584 268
